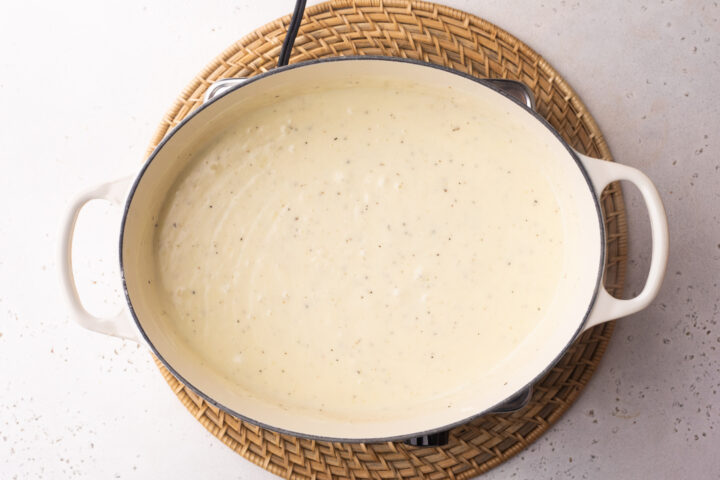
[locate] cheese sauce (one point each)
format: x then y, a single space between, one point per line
359 246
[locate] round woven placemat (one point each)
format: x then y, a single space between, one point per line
449 37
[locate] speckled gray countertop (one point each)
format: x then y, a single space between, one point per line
83 86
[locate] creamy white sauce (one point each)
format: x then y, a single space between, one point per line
361 245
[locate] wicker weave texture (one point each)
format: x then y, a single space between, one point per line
441 35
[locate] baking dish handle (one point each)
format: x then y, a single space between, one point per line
122 324
606 306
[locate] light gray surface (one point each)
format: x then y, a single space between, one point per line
84 85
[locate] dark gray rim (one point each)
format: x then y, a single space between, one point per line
279 70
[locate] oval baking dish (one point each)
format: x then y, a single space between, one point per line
573 296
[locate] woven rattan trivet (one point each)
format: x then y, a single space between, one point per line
449 37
